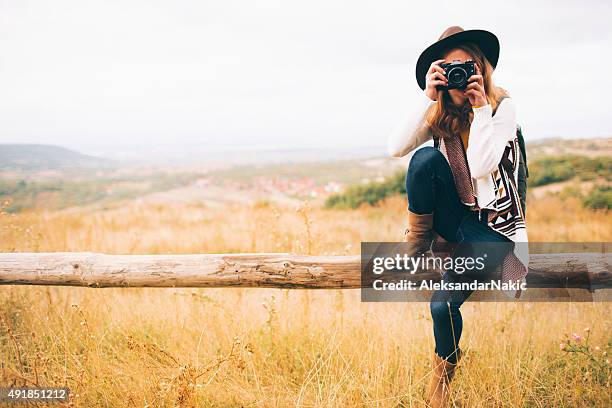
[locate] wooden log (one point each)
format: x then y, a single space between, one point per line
206 270
280 270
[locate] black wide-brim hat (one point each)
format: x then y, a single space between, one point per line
453 36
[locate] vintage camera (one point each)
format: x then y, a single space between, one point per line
457 73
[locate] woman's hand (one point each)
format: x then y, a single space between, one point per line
475 90
435 77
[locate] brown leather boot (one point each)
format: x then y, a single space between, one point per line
442 374
419 233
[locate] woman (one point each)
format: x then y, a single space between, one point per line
464 190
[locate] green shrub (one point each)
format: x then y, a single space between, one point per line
600 197
553 169
370 193
550 170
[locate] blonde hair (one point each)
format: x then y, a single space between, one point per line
445 118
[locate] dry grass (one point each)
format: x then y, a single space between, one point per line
263 347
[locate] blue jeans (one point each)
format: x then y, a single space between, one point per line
430 188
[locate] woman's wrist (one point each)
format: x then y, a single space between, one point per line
482 111
480 106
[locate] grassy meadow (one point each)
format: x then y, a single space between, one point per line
275 348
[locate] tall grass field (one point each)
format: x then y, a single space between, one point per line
152 347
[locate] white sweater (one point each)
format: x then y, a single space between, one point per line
487 141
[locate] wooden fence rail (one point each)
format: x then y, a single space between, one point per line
589 271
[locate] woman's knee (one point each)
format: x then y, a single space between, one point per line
420 165
425 155
424 160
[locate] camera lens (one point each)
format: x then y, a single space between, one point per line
457 76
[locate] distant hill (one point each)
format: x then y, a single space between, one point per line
581 147
37 157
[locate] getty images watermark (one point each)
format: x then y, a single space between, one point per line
494 270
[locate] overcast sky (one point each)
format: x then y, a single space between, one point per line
280 73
